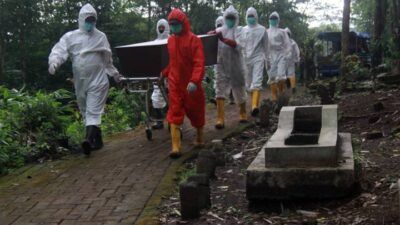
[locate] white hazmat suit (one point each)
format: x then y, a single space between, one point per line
278 55
279 52
157 98
231 69
91 63
294 56
256 47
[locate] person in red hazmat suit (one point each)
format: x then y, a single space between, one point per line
185 73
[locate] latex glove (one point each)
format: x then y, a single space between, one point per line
229 42
117 78
213 32
52 69
219 35
192 87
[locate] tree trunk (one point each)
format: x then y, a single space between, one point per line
1 60
345 34
396 36
379 27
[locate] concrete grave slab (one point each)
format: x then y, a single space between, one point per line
305 122
266 182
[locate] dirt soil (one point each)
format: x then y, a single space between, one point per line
374 202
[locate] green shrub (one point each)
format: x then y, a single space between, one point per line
49 125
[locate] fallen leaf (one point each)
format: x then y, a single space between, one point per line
215 216
309 214
238 156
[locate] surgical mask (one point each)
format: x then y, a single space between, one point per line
251 20
273 23
89 26
230 23
176 28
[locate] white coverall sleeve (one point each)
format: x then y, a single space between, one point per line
59 53
240 39
296 53
266 46
287 44
109 65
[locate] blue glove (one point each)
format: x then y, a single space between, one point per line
191 87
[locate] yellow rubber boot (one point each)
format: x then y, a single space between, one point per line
176 141
242 112
274 92
281 87
220 114
200 137
292 81
255 102
293 84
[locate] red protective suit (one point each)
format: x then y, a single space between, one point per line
186 64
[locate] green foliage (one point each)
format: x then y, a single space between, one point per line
355 70
46 125
31 127
209 85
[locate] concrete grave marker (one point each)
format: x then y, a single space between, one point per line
305 158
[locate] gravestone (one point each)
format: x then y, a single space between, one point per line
305 158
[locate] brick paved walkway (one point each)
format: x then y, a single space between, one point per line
110 187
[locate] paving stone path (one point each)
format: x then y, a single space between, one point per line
110 187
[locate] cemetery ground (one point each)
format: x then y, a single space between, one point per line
373 119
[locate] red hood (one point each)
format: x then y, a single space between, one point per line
177 14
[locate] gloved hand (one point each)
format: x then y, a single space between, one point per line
117 78
52 68
213 32
229 42
219 35
192 87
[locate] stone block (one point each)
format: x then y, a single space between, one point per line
323 153
267 182
265 108
189 198
203 186
206 163
219 151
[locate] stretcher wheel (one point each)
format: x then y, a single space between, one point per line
149 134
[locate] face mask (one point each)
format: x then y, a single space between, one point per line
89 26
273 23
176 28
161 31
230 23
251 20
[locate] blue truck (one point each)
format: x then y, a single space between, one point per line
329 47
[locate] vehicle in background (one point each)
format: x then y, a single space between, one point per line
328 51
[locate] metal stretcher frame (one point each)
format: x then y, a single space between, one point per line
144 86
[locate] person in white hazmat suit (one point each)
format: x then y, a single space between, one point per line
230 69
157 97
278 56
256 48
91 56
294 59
